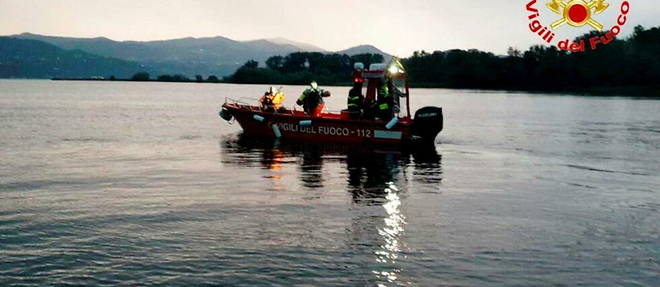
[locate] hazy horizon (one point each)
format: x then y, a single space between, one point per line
398 27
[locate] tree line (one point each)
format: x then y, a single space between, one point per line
623 63
146 77
302 68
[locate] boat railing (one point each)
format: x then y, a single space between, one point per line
241 100
244 101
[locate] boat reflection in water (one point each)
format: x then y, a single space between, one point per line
376 180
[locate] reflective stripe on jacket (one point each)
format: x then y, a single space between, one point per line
355 98
310 94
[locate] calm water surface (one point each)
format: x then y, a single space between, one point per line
143 184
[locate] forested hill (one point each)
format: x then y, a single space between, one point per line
301 68
220 56
630 62
633 63
22 58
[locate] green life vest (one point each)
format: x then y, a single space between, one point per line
383 97
355 99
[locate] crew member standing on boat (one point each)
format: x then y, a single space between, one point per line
384 101
312 100
272 100
396 96
355 100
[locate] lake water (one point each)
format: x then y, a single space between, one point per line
142 184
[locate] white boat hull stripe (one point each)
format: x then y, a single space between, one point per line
387 135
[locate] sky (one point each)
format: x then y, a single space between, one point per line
395 26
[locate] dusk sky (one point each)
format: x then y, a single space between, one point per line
398 27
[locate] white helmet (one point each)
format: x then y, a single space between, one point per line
314 85
273 90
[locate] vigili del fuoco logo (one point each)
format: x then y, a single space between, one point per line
576 13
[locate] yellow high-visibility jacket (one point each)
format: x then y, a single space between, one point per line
273 100
278 99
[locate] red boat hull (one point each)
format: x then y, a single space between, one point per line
329 127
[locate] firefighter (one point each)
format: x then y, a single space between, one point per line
355 101
397 94
312 100
384 102
272 100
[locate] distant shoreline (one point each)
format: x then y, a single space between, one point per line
131 80
643 92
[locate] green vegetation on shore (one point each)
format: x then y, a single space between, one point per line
145 77
624 66
632 64
301 68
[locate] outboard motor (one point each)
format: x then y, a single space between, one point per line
427 124
225 114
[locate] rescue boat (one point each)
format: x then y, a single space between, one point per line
344 127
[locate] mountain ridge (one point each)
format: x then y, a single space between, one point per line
304 47
217 55
25 58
